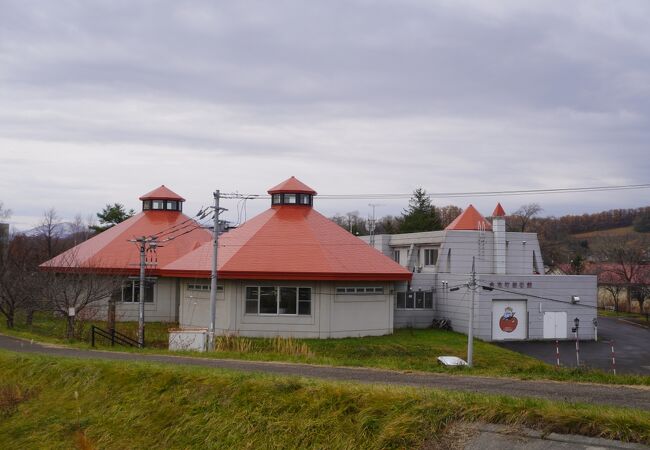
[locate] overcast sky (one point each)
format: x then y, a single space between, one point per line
102 101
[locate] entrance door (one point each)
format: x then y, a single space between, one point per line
555 325
509 319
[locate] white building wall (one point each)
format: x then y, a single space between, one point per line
548 293
332 315
164 308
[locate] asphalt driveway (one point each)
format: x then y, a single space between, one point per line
631 346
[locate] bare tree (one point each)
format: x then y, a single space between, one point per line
623 261
5 213
49 230
523 216
615 291
448 214
20 280
77 288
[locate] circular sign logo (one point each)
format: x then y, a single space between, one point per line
508 322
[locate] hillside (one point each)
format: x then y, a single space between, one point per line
50 402
621 231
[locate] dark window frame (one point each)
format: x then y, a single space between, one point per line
253 301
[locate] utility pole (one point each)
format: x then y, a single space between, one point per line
372 224
213 274
470 333
144 243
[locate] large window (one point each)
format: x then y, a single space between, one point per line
414 300
278 300
131 292
430 256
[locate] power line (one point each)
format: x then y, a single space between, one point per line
488 288
503 193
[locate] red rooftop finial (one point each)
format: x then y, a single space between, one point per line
162 193
292 185
498 211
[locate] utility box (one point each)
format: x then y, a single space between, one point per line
188 340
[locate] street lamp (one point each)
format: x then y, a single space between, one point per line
576 322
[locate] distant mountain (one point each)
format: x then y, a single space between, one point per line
62 230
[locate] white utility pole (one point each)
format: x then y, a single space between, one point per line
373 223
213 274
470 332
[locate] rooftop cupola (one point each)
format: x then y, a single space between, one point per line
162 199
292 192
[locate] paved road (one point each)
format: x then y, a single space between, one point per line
499 437
573 392
631 344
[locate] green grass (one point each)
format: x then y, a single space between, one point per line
621 231
406 350
66 403
621 314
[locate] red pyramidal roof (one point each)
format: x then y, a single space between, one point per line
498 211
470 219
287 243
162 193
292 185
112 251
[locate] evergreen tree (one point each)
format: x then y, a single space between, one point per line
420 215
111 215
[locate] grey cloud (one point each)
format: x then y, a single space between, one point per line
450 95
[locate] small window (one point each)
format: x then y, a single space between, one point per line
205 287
410 300
428 300
419 300
252 300
290 199
268 300
172 205
146 204
396 256
430 256
288 300
304 301
401 300
305 199
360 290
131 292
277 199
157 204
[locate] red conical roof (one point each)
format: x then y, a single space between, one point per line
290 244
292 185
498 211
162 193
470 219
111 251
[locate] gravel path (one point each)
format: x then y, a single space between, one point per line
560 391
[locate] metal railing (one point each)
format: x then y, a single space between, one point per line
113 336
